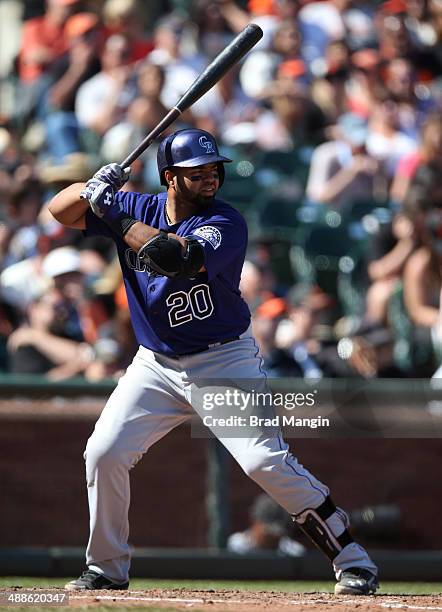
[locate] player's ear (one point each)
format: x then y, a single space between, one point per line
169 176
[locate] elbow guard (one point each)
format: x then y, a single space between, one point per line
163 256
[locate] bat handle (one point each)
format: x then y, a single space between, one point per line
171 116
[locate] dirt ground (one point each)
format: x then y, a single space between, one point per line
241 601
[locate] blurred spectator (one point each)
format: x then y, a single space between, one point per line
330 87
9 321
369 354
341 170
105 362
389 250
72 273
127 18
309 311
10 158
277 362
180 70
397 41
418 23
422 276
321 22
360 27
114 347
36 347
256 284
109 327
325 21
262 12
19 237
213 33
259 67
143 113
401 83
365 85
224 106
385 141
81 63
44 42
429 153
102 100
435 11
293 119
63 267
393 36
268 530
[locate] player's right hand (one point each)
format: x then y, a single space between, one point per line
113 174
101 197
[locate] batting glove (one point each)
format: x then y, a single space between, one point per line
101 198
113 174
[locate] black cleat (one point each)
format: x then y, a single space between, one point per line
92 581
357 581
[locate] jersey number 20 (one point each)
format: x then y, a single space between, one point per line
196 303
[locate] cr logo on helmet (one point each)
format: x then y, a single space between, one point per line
206 144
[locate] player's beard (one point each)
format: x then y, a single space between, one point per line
202 202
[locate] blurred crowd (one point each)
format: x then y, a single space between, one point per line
334 123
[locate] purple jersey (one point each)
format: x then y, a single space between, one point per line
179 316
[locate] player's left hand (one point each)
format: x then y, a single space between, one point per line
101 197
113 174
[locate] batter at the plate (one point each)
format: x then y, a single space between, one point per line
181 253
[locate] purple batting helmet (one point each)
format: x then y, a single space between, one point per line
187 149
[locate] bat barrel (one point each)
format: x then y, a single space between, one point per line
171 116
221 64
239 46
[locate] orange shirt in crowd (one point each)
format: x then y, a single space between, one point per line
40 34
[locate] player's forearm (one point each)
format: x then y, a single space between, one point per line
140 233
67 207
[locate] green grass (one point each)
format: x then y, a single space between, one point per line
137 584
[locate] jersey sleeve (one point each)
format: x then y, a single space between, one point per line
96 227
223 240
128 201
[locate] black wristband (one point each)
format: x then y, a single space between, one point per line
122 224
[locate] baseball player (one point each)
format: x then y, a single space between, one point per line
181 253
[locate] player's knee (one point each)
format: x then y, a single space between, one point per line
103 456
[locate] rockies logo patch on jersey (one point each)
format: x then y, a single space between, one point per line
210 234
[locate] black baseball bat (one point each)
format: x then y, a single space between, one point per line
239 46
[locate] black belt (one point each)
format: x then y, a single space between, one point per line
205 348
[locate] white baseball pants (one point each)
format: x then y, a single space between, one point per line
150 400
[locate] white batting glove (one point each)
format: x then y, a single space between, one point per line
113 174
101 198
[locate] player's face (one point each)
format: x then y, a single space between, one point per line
198 185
